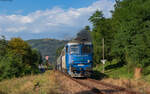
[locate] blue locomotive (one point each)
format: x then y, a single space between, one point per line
76 59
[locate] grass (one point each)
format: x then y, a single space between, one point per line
118 74
33 84
115 70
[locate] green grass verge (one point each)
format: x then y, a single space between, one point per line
115 70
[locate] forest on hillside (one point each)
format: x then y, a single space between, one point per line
47 47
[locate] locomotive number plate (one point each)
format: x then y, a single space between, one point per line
80 64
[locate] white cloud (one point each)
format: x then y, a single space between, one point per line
0 29
53 21
13 29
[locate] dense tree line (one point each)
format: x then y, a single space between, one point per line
17 58
126 33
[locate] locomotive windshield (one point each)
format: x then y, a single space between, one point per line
74 49
86 49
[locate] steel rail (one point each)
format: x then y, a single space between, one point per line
94 90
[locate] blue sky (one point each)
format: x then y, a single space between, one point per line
27 6
59 19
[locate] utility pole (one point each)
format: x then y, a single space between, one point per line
103 54
103 48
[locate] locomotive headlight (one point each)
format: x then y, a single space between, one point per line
88 61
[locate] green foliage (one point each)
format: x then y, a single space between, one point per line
58 51
17 58
115 70
132 26
87 28
84 34
3 46
126 34
102 29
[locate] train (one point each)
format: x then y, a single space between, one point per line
76 59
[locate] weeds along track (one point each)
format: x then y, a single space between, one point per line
98 87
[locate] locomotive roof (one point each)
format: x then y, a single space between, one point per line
79 42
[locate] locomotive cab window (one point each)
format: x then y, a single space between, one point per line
86 49
74 49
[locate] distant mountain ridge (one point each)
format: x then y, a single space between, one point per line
47 47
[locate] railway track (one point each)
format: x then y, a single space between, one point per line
112 89
98 87
93 89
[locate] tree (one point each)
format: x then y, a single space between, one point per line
126 34
84 34
132 20
87 28
101 29
19 60
3 47
18 46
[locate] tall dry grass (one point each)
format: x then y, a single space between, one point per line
34 84
133 84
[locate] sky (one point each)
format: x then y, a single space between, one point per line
57 19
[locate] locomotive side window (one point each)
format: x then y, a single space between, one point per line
86 49
74 49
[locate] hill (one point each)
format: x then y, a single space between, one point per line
47 47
